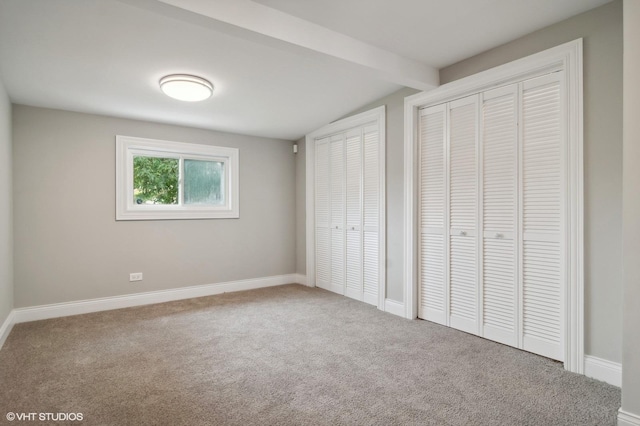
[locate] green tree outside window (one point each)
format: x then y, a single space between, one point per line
155 180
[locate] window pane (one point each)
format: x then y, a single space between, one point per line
155 180
203 182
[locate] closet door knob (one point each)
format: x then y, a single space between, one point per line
353 228
463 233
498 235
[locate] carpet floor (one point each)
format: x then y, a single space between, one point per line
288 355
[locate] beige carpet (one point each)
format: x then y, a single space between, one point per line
284 355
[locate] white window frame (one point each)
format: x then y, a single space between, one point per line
568 58
128 146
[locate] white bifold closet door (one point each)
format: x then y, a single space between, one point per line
354 285
347 213
433 288
322 214
492 217
499 159
463 214
337 167
543 229
371 190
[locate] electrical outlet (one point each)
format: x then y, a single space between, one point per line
136 276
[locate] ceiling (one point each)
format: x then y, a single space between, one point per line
436 32
281 68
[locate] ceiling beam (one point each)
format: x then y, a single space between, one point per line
286 29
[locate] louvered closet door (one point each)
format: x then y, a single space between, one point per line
371 213
499 159
543 189
322 213
463 213
354 282
337 188
432 288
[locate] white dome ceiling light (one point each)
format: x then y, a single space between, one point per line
185 87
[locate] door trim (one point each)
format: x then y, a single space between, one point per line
566 57
373 116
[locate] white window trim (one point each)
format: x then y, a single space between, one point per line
128 146
377 116
566 57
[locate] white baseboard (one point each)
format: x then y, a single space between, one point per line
301 279
601 369
393 307
117 302
627 419
6 327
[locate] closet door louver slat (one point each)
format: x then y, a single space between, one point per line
371 178
337 181
323 258
463 213
432 287
371 264
354 178
354 265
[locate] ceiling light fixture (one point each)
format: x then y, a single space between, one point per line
185 87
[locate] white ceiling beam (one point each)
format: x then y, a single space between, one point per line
265 21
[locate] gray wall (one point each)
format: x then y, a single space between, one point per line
394 191
631 212
6 208
68 245
601 29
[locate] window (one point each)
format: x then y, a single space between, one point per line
173 180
